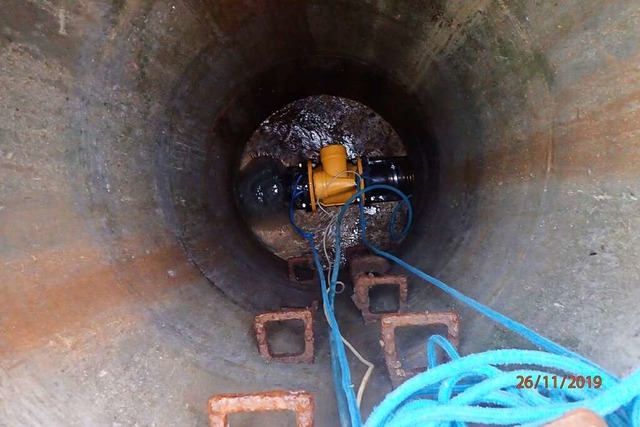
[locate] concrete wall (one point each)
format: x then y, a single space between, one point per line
120 126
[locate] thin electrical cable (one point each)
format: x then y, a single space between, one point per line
355 417
332 225
367 374
358 183
326 188
370 366
321 206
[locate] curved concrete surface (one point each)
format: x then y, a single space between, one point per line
127 280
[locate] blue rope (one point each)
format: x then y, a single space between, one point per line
492 397
345 396
519 328
392 221
473 388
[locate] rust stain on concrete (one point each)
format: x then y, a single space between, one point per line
73 286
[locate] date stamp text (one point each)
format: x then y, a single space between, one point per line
559 381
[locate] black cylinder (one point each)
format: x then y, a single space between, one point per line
393 171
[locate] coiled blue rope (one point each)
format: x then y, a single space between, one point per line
473 388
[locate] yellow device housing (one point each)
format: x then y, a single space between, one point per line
333 181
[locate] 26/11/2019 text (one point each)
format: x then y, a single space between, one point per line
559 381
